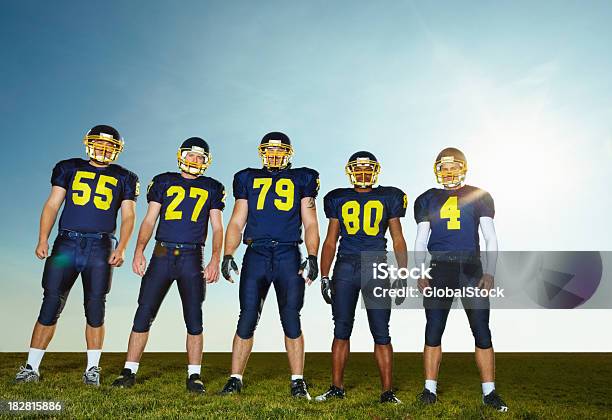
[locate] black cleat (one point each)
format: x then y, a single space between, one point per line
389 397
232 386
427 397
195 384
299 389
495 401
332 392
126 379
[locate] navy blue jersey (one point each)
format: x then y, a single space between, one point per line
364 216
186 205
93 195
274 201
454 217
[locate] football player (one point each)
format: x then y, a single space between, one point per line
447 226
184 203
360 217
92 191
273 202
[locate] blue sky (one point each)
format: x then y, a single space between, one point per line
522 87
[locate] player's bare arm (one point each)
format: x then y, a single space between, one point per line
399 242
311 232
128 219
47 220
211 272
233 236
139 264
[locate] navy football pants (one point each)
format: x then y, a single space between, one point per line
347 283
262 266
456 275
167 265
69 257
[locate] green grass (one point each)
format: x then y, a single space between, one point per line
557 385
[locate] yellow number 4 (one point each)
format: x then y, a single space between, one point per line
82 191
450 210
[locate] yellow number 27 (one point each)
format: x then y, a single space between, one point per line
450 210
179 195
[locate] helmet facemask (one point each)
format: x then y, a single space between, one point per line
193 168
363 172
102 148
275 154
450 171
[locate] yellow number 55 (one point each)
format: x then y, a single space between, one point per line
82 191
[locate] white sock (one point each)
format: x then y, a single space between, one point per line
133 366
34 358
431 385
191 369
294 377
237 376
93 358
488 387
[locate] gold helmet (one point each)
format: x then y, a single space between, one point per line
363 169
275 150
103 144
194 145
450 177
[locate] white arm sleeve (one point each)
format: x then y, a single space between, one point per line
488 232
420 244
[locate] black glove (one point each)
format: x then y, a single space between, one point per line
227 266
311 266
327 290
399 284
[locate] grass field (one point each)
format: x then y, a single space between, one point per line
558 385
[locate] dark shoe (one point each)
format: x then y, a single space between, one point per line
127 379
195 384
495 401
332 392
389 397
299 389
427 397
232 386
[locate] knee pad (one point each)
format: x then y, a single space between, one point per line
247 322
433 334
290 320
482 337
194 324
343 329
94 311
143 319
51 309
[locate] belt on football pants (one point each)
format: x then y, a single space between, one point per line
268 243
177 245
73 234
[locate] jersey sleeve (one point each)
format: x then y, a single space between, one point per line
131 187
329 205
486 206
398 201
155 190
421 209
310 183
218 197
61 175
239 185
